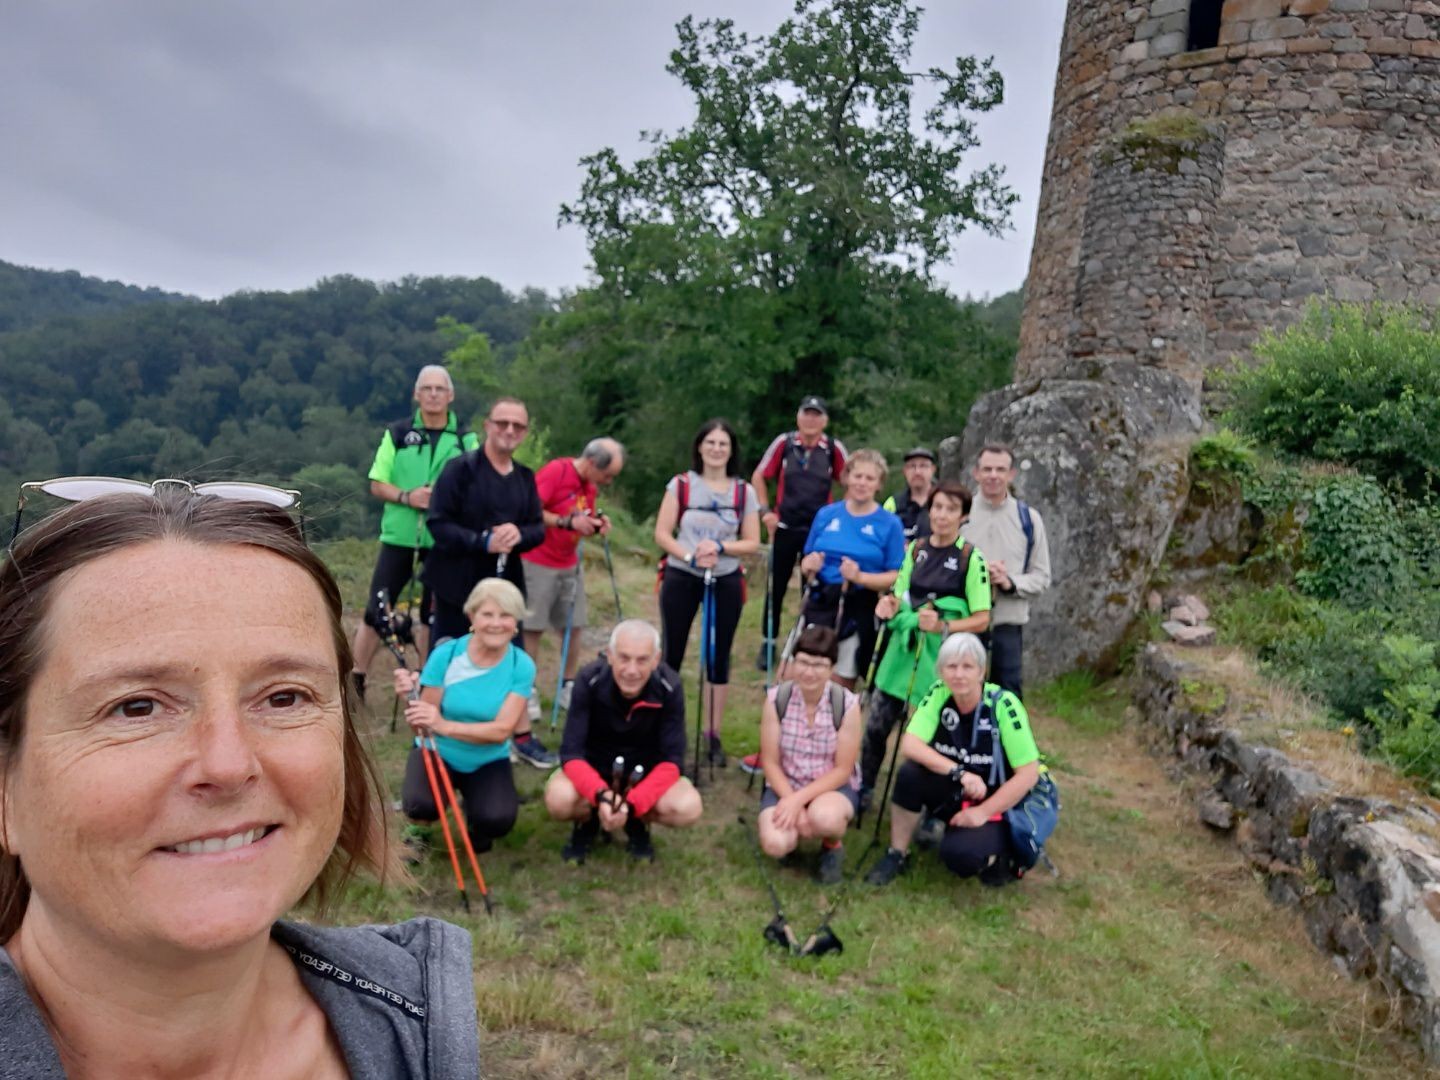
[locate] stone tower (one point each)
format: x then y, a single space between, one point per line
1322 175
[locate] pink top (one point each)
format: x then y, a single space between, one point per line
807 750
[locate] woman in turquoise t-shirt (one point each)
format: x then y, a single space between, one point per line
472 692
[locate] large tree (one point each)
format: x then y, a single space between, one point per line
783 243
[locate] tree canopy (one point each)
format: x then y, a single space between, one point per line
783 242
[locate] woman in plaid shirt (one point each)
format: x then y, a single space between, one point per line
810 757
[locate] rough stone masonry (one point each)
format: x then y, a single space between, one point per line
1312 168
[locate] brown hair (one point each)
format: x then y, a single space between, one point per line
955 490
40 558
819 641
996 448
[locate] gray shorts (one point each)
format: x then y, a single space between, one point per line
548 593
768 798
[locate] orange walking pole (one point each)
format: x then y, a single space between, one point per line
430 768
464 832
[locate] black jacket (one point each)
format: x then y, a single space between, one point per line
468 500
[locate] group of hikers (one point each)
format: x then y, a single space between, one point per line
924 596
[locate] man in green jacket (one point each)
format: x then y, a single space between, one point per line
412 452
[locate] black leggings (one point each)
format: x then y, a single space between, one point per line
680 597
885 710
984 852
488 795
788 547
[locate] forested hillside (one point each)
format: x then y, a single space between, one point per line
29 296
268 386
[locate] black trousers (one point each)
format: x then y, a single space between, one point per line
984 852
885 711
1006 646
487 794
681 594
788 545
447 620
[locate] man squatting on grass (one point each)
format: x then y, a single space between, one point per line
411 454
625 704
1019 566
485 508
554 578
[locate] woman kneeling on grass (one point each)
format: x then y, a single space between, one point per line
809 756
180 767
473 692
969 757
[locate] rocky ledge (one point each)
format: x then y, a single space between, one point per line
1363 871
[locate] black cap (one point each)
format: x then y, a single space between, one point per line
920 451
815 403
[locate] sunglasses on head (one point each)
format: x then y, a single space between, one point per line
83 488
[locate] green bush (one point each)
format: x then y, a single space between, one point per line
1405 722
1225 453
1349 383
1356 549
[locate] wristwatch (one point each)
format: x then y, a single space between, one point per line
955 774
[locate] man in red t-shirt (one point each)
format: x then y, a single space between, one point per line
553 579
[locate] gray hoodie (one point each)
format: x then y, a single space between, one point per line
400 999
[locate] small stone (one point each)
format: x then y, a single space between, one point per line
1432 903
1154 603
1183 614
1194 636
1198 606
1216 812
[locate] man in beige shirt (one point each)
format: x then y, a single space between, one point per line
1012 536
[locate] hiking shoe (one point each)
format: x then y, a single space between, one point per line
832 865
716 754
565 688
889 868
767 652
357 680
582 838
750 763
639 846
416 845
532 751
532 707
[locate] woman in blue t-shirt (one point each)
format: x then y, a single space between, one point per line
472 692
852 556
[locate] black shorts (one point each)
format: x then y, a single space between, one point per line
392 573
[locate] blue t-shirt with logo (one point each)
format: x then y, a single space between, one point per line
876 541
473 695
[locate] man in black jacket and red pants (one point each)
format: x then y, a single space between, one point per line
484 511
624 705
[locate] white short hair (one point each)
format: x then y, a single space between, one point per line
635 626
433 369
961 647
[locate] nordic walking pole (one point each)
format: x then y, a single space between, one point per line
610 566
460 825
565 641
430 768
767 632
708 644
899 735
700 714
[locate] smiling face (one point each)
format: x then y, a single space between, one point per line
810 423
506 426
633 658
493 626
994 472
947 513
862 481
715 449
965 679
181 781
919 474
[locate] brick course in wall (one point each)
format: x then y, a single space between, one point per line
1324 177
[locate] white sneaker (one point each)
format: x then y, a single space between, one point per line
565 689
533 707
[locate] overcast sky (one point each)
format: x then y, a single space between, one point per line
208 147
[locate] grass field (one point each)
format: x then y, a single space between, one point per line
1154 953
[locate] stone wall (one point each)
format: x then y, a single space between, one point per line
1329 175
1363 872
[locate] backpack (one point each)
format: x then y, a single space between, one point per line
682 496
835 467
966 550
1027 526
785 690
1034 817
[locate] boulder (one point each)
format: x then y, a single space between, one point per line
1102 452
1197 606
1183 614
1185 634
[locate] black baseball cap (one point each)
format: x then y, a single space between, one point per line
920 451
814 403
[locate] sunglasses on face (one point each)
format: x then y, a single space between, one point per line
517 425
83 488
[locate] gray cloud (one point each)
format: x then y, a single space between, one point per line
212 147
